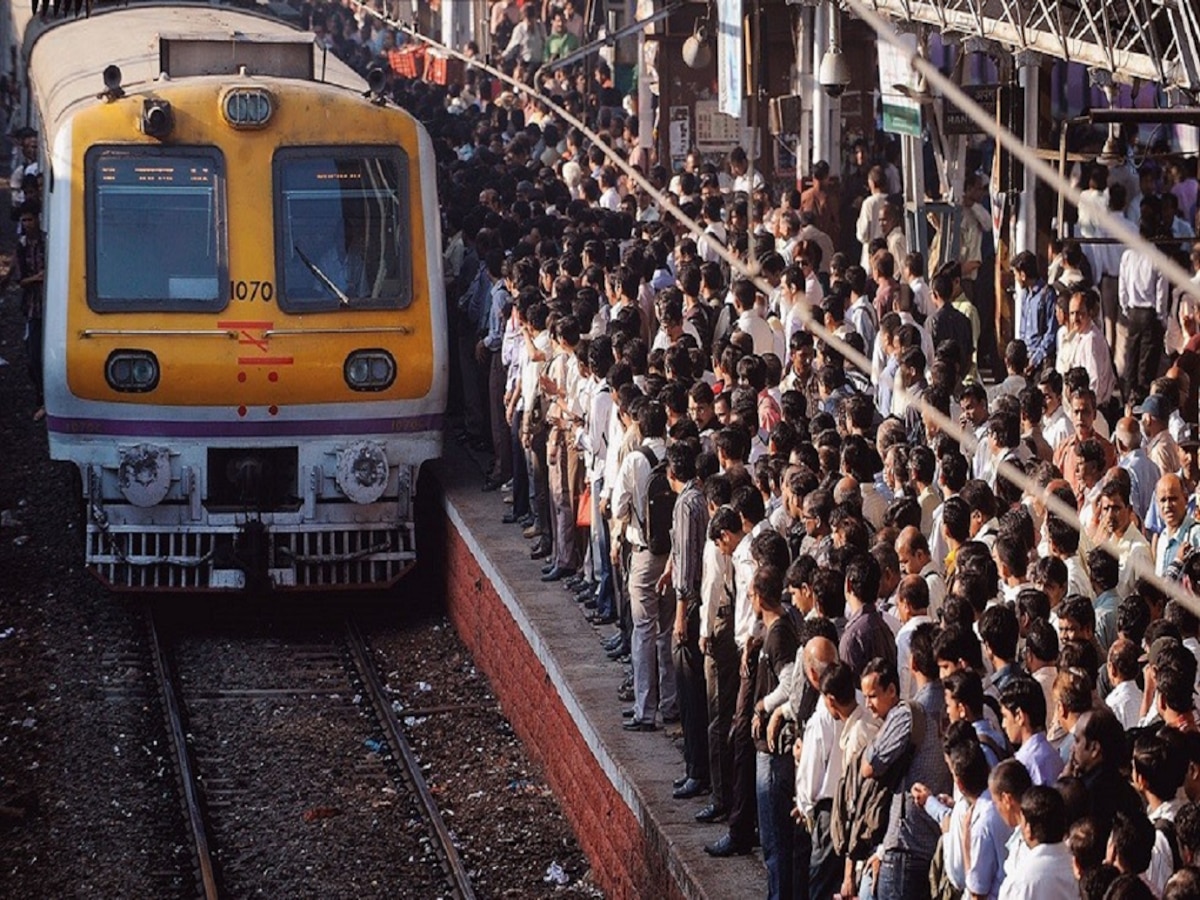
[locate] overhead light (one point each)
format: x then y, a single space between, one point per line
697 49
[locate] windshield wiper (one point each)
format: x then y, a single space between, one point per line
322 277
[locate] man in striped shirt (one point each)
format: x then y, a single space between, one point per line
689 530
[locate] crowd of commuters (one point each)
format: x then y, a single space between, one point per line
894 667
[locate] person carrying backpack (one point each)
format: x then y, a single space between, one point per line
906 751
643 500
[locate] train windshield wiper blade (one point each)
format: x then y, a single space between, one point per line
322 277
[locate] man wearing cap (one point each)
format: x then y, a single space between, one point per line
1179 528
1160 446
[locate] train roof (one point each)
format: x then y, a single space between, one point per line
67 58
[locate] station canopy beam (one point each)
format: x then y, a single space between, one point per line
1151 40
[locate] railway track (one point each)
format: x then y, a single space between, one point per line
281 792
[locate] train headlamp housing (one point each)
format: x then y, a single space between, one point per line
370 370
132 371
158 118
247 108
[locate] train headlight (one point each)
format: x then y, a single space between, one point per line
370 370
132 371
144 474
247 107
362 471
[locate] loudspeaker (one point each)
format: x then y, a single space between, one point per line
783 114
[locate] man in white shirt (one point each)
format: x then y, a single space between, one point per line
1125 699
1117 524
912 605
868 227
748 320
1045 870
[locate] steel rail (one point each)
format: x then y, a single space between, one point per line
451 861
187 775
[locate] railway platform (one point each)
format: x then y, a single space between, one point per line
558 689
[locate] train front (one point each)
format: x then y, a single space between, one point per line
245 324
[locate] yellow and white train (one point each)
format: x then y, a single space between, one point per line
245 326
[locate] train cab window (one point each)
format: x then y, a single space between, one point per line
156 229
342 238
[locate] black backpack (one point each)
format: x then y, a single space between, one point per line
660 506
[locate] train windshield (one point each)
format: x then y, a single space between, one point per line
156 229
342 238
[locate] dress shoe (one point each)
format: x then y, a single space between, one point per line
627 713
625 659
690 788
540 552
532 531
612 641
590 603
725 847
680 781
557 574
639 725
714 812
620 650
491 484
601 620
575 583
625 694
510 519
526 520
546 569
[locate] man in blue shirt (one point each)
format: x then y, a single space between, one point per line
1037 327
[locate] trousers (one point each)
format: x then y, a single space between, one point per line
650 644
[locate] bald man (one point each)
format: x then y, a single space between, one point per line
1143 473
818 767
1179 535
912 547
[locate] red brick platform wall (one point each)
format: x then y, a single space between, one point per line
626 861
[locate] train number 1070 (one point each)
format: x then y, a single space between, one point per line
252 290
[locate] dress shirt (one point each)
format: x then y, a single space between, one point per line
745 623
1090 350
821 239
820 763
1141 286
713 581
1169 543
904 655
909 829
1143 479
1042 761
922 296
689 534
756 326
594 441
1057 427
861 317
897 244
1105 607
867 227
865 637
1132 545
988 838
1066 455
1164 452
1037 327
631 496
858 731
1045 872
1125 700
1162 860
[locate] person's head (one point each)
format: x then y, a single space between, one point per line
1159 764
1083 412
1172 500
880 687
1099 741
839 690
862 579
1184 884
1043 816
1116 514
912 549
1079 313
1022 709
1076 619
964 696
1123 661
999 632
1131 842
1008 783
1086 844
1187 828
